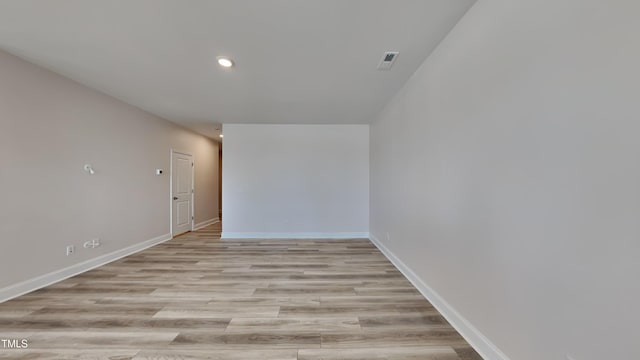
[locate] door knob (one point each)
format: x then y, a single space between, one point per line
175 198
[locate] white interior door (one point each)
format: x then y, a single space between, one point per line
181 193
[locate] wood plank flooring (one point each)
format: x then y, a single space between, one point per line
197 297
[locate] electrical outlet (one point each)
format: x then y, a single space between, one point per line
70 250
92 244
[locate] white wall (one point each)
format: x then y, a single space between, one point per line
50 127
295 181
507 174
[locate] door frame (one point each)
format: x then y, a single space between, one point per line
193 215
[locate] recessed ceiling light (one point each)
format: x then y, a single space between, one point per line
221 135
225 61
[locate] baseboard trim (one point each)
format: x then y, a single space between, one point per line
474 337
206 223
36 283
299 235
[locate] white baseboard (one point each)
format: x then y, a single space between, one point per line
206 223
474 337
27 286
290 235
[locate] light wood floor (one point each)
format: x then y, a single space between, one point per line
196 297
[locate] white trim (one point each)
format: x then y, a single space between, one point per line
474 337
171 192
290 235
193 187
206 223
27 286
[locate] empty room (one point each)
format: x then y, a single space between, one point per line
320 179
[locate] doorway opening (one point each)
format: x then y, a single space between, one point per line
220 182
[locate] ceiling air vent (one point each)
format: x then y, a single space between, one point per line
387 60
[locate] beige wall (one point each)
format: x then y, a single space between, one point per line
295 181
50 127
507 175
